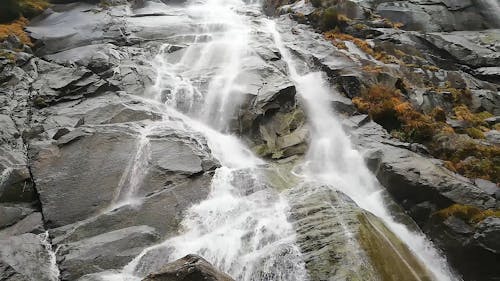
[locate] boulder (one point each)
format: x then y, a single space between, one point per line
117 165
32 223
340 241
57 83
472 248
10 215
467 47
27 257
113 249
435 15
412 178
70 173
188 268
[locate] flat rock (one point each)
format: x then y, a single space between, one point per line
28 257
190 267
113 249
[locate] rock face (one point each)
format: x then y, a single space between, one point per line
110 250
465 63
27 257
188 268
111 179
107 173
323 216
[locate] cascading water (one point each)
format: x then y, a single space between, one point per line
242 227
53 270
491 10
332 160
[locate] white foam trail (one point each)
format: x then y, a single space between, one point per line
134 173
242 226
53 270
331 159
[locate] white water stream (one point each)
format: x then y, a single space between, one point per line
242 227
332 160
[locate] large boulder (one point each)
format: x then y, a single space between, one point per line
472 247
340 241
188 268
27 257
470 48
422 186
111 250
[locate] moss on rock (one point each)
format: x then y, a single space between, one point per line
390 256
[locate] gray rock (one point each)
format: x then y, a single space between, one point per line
86 162
114 161
322 216
73 25
15 181
493 136
473 248
57 83
437 15
412 178
30 224
487 235
486 100
491 73
10 215
28 257
162 210
470 48
486 185
190 267
106 251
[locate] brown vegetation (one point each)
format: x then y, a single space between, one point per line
387 106
469 214
15 28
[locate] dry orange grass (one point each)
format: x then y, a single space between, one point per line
16 28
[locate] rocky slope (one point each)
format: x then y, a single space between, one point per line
76 134
429 82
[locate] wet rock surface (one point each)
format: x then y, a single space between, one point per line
322 216
190 267
464 60
75 128
76 135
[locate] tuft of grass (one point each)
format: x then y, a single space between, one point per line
337 37
11 10
330 19
475 133
463 113
16 28
386 106
470 214
8 55
471 158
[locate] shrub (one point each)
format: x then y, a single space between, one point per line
470 158
337 37
11 10
467 213
386 106
329 19
15 28
474 133
316 3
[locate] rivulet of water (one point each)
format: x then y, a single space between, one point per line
332 160
242 226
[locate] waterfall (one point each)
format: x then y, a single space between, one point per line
243 227
332 160
491 10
